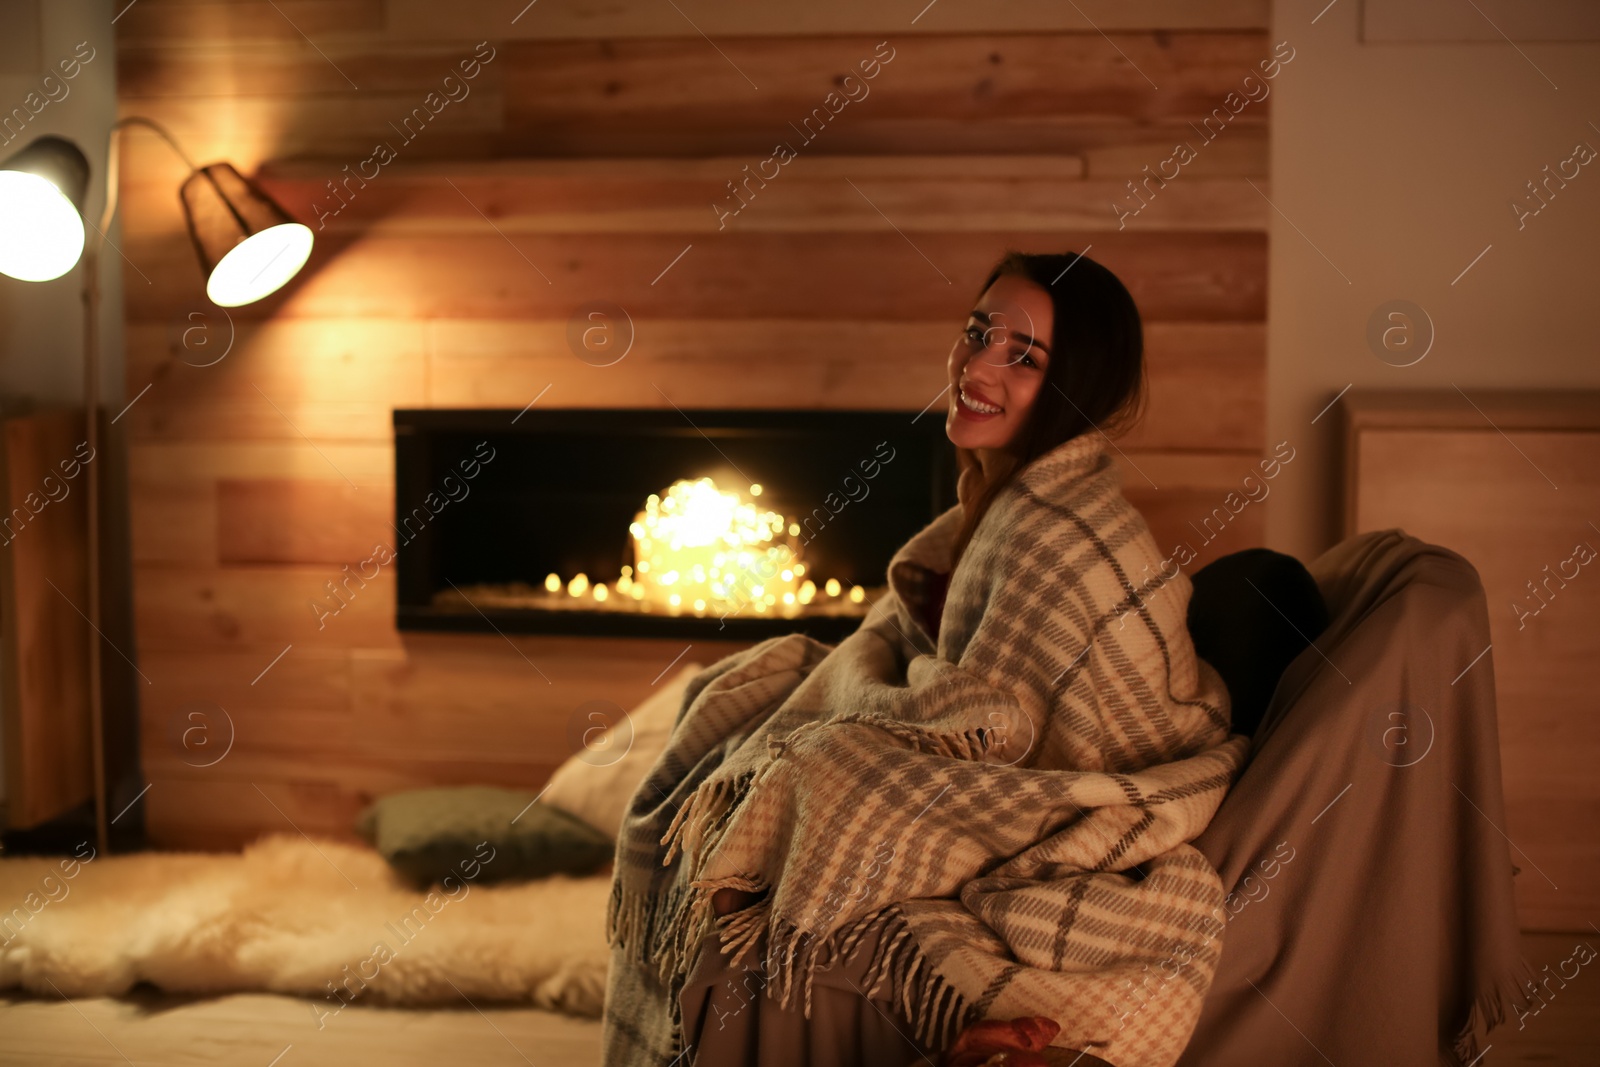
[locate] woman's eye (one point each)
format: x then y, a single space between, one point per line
975 334
1027 359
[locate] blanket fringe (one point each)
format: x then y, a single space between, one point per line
706 808
1490 1008
940 1012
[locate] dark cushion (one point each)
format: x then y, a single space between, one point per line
484 833
1252 613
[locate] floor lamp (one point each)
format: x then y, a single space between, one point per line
248 247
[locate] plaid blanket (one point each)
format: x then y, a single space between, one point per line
1007 808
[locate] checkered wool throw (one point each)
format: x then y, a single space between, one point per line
1007 808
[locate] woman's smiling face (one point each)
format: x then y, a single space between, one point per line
997 365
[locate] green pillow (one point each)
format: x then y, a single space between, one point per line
480 833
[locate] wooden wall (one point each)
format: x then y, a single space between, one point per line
582 166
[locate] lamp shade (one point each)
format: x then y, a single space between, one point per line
42 191
249 246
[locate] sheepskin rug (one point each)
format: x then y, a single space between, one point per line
320 918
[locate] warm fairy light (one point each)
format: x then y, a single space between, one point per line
710 547
717 551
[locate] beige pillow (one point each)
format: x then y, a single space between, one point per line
595 785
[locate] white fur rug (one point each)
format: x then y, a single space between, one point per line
325 919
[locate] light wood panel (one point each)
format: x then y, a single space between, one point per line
1511 485
917 194
581 170
335 381
44 631
640 18
1211 277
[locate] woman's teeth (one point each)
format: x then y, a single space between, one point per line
978 406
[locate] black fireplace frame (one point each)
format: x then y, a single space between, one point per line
423 435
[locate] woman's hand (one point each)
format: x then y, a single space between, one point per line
1018 1042
726 900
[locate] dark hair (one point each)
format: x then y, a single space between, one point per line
1094 380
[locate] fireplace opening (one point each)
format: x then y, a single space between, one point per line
737 524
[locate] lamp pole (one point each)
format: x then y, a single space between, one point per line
91 406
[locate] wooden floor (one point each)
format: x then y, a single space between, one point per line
262 1030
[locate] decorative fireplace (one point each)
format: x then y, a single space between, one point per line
737 524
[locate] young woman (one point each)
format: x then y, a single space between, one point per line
980 801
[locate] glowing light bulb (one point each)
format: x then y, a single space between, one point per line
579 584
857 594
552 582
832 587
41 233
259 265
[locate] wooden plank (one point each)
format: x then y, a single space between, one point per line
230 608
174 523
1193 276
1198 522
224 742
215 814
333 382
183 464
1062 92
44 654
310 679
202 22
289 362
1206 380
422 20
328 381
630 198
1520 506
259 128
224 67
281 520
482 697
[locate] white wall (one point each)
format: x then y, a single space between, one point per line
1399 162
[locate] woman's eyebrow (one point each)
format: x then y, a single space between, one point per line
984 317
